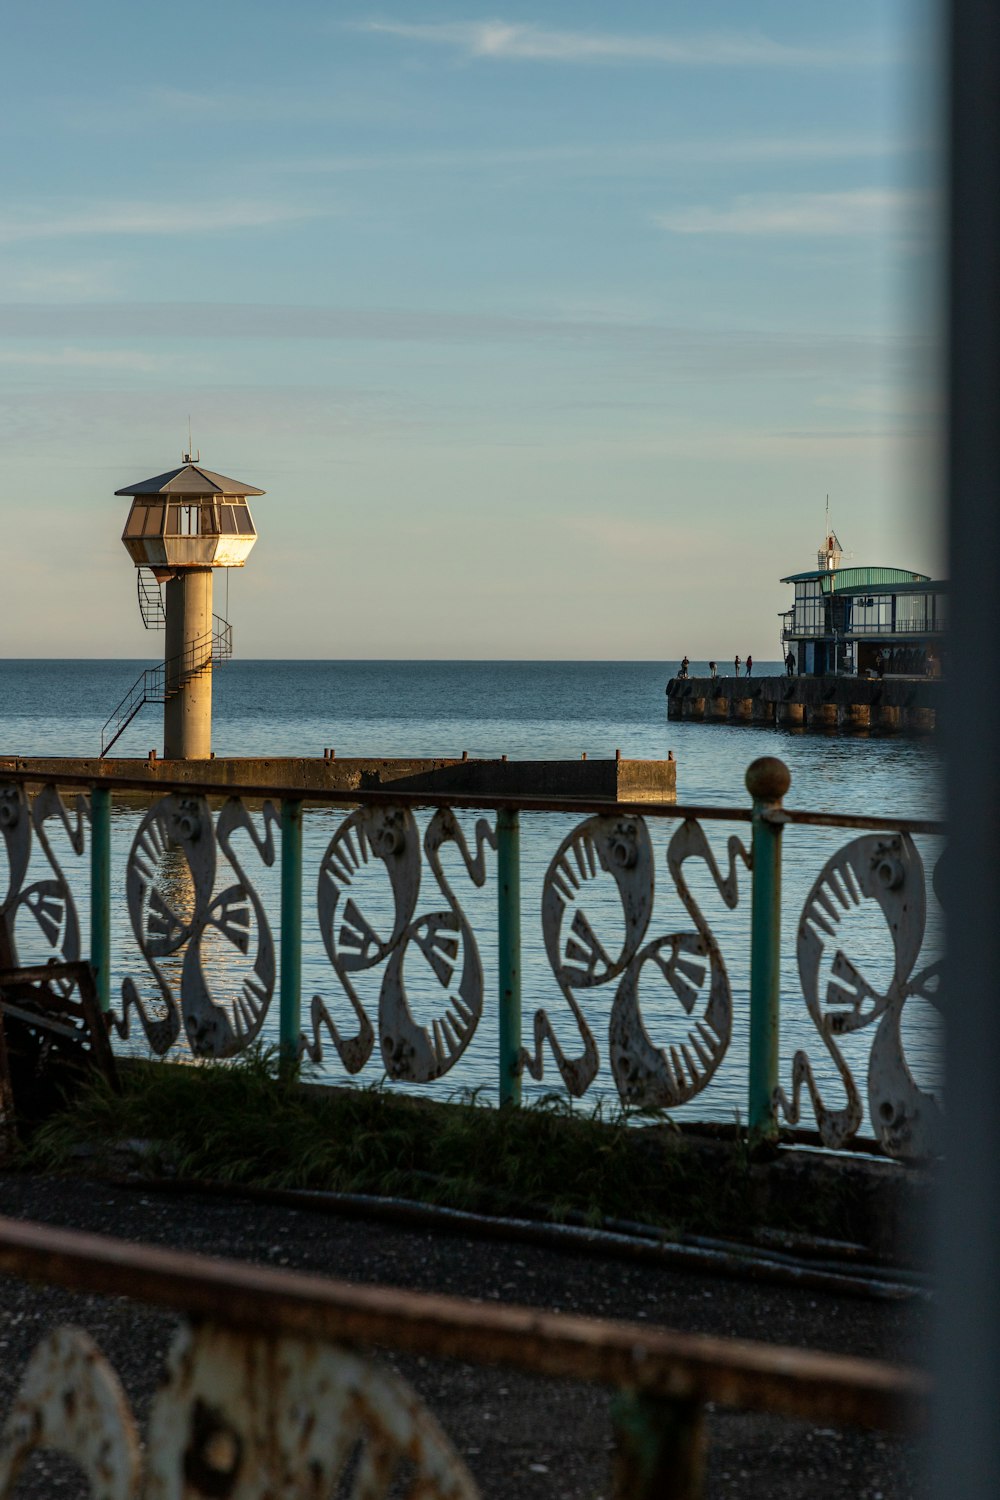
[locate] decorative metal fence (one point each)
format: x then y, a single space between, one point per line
193 890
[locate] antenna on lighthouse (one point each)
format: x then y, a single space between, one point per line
190 457
831 552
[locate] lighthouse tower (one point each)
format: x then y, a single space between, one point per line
182 525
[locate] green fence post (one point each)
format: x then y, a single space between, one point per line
509 952
767 780
289 1023
659 1447
100 892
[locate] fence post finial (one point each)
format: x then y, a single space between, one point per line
767 781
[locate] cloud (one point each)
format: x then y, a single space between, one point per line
55 283
921 403
529 43
142 218
273 421
82 359
865 211
639 538
587 158
686 351
147 107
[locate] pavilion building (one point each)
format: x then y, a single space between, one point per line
859 621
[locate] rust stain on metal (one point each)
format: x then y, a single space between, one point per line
244 1417
70 1400
263 1300
239 1417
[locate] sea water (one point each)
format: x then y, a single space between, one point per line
526 710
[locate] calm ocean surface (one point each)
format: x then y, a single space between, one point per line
523 710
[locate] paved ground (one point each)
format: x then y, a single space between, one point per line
521 1436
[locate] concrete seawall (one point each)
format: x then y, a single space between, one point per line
848 703
605 780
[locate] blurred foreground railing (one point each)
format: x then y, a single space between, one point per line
269 1390
192 900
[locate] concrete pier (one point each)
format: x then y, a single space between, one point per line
886 716
584 780
822 716
854 715
789 715
849 704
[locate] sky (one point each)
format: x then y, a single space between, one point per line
547 330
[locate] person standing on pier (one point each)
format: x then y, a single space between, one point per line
713 670
684 667
736 664
749 666
790 664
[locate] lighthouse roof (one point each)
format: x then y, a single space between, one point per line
191 480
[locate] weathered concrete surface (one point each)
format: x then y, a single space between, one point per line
613 780
187 712
851 703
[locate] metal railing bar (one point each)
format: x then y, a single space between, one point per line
366 797
759 1377
31 974
873 824
465 801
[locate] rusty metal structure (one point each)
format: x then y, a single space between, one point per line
215 957
271 1389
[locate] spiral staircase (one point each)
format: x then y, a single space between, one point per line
162 682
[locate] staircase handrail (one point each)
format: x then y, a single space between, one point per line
142 691
222 639
157 684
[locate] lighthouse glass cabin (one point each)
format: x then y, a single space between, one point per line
181 525
189 518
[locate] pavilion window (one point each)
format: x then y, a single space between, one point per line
154 520
183 520
188 520
911 612
872 612
809 611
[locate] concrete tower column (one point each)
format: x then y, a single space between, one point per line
187 712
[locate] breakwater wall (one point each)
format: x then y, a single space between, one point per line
618 780
892 705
